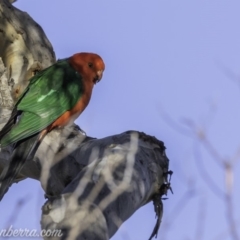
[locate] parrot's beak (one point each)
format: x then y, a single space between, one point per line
99 75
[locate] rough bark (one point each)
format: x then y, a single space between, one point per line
122 173
24 49
92 185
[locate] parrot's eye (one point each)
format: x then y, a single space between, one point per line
90 64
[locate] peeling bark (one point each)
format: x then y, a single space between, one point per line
24 47
92 185
123 172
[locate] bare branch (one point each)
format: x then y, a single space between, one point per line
93 193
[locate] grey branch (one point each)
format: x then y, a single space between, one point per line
92 185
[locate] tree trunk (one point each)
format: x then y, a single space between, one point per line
92 185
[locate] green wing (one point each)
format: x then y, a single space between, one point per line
49 94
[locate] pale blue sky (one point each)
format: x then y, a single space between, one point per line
169 55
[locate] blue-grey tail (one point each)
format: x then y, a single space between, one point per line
24 151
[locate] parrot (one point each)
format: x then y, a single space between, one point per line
54 98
